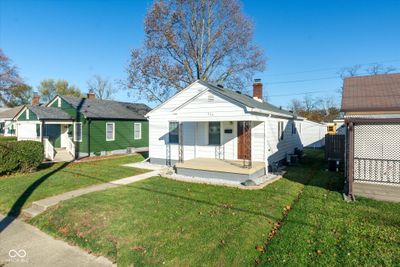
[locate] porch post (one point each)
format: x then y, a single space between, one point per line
350 173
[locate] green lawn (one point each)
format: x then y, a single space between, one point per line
160 221
324 230
20 190
7 138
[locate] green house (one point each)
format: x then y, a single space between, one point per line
81 127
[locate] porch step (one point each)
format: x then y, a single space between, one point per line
62 155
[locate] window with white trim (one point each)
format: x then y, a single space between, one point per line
110 131
137 131
59 102
78 131
280 130
27 114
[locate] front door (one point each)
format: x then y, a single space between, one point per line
244 139
53 132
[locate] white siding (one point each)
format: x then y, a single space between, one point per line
278 149
26 130
312 134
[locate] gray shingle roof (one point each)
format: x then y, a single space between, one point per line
10 113
107 109
49 113
246 100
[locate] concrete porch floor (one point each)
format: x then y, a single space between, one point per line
219 165
231 170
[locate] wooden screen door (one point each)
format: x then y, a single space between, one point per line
244 140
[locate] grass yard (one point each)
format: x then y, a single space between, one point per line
7 138
160 221
323 230
20 190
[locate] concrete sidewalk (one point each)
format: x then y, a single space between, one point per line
24 245
43 204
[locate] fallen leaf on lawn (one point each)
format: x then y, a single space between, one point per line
222 242
257 260
318 251
260 248
138 248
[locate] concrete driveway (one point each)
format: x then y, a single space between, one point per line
24 245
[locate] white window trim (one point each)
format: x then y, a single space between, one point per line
59 102
27 114
113 137
75 139
137 124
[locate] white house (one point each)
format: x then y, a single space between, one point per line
207 130
7 124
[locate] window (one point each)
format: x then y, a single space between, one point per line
294 131
110 131
280 130
59 102
173 132
78 131
214 133
27 114
137 131
38 126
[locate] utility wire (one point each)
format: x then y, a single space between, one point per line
332 68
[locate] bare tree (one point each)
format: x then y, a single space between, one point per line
188 40
350 71
9 78
376 68
102 87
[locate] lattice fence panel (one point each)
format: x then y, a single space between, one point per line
377 152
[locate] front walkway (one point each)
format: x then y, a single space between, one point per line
43 204
25 245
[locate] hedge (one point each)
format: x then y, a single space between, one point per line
20 156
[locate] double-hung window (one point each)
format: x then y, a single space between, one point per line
214 133
280 130
137 130
110 131
78 131
173 132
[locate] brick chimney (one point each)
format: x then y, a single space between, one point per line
91 95
35 99
258 90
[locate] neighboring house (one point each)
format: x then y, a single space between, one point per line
85 126
7 125
335 127
206 121
372 116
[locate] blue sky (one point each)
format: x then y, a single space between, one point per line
303 40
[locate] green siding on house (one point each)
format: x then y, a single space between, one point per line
124 135
32 116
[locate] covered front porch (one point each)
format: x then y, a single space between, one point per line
56 137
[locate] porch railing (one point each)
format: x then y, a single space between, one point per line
70 147
48 149
377 170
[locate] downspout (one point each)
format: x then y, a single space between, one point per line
89 122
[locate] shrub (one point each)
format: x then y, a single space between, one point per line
20 156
